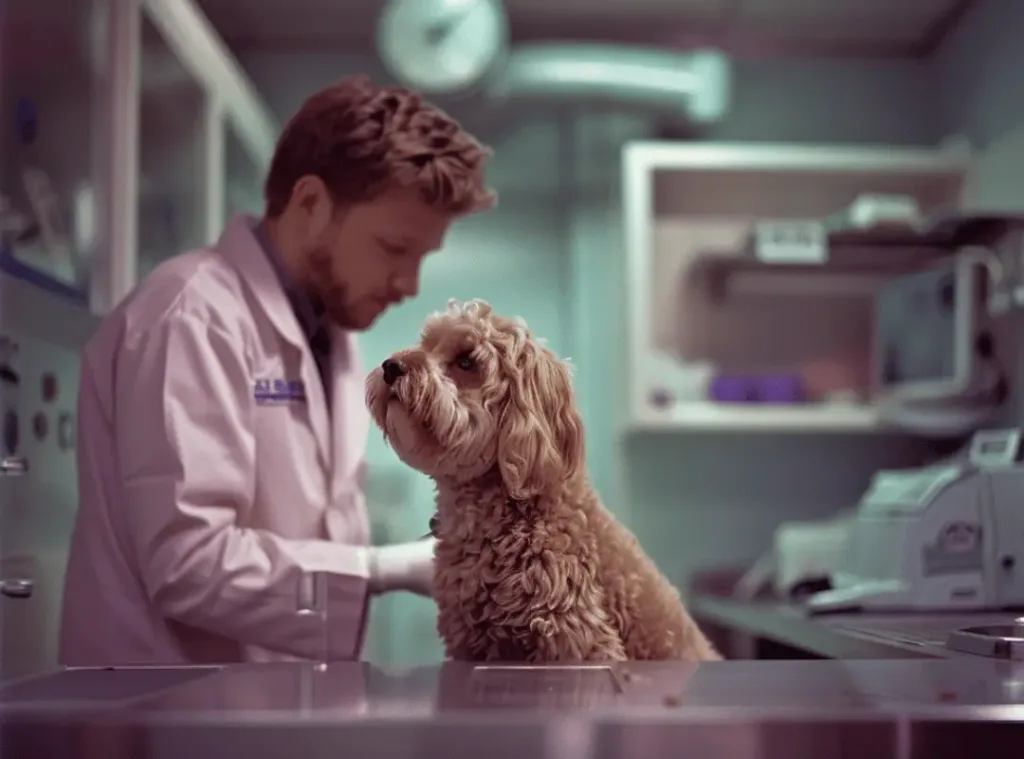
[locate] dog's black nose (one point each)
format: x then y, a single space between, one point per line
392 370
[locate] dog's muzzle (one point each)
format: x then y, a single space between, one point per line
393 370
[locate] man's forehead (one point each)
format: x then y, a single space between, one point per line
407 205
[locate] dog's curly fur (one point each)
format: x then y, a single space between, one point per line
530 566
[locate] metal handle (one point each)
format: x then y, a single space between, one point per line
17 588
1018 627
12 466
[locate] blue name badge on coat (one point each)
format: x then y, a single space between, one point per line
276 391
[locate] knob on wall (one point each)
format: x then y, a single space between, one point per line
11 432
10 381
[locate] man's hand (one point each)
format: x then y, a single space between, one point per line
403 566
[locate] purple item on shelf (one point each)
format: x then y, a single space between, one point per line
782 388
756 388
728 389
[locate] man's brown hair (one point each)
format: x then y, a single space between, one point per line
360 139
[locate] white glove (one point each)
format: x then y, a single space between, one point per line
403 566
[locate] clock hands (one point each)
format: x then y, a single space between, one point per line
440 30
441 46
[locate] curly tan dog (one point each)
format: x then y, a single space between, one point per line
529 565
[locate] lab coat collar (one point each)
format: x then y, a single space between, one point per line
238 244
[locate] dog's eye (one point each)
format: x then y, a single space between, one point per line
465 362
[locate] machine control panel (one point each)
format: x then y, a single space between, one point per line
994 448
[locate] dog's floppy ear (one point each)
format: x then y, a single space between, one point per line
540 439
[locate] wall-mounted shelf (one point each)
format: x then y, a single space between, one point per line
858 259
705 416
848 271
945 229
690 211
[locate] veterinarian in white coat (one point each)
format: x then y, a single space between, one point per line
221 414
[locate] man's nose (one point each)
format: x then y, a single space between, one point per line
392 370
408 284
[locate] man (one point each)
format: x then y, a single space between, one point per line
221 415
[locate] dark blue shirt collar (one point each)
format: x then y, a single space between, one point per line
308 310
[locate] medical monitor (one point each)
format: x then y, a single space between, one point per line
926 325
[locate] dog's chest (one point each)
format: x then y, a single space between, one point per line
478 562
478 565
481 604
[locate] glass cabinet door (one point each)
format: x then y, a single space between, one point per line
173 165
51 68
112 159
53 61
243 178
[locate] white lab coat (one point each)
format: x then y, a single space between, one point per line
200 507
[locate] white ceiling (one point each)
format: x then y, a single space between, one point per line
820 27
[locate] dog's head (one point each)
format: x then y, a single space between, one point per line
480 394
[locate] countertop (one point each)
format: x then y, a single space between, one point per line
353 691
842 636
854 635
736 709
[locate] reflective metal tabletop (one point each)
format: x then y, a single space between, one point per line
732 709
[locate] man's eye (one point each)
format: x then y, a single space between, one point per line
395 250
465 362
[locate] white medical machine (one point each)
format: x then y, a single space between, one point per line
802 557
943 537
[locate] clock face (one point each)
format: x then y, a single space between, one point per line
442 46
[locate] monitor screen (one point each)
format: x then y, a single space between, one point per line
916 322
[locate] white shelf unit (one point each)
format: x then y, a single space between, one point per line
685 204
708 416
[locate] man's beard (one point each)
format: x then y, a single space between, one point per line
331 294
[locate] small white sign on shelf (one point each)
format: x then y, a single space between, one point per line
791 242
